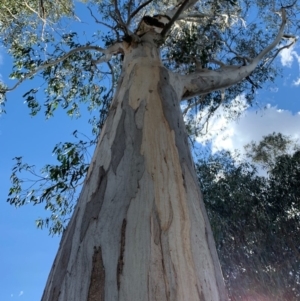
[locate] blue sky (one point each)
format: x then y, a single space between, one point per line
277 110
27 253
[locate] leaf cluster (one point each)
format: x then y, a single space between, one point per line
56 185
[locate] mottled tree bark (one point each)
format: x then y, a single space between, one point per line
139 231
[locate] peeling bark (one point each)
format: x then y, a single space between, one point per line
97 282
140 205
121 257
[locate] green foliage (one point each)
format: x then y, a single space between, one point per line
256 223
269 148
55 186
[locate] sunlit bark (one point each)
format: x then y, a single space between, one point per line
140 230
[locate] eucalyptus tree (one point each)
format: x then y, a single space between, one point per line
139 230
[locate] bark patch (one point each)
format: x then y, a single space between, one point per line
173 115
156 228
97 283
93 207
139 115
119 144
121 256
61 263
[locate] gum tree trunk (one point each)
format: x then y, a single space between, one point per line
140 231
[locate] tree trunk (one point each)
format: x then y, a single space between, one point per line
139 231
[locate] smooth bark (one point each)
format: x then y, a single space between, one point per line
140 230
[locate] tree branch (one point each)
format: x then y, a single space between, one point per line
192 105
174 18
280 49
187 4
137 10
104 24
193 16
119 18
11 14
277 39
205 81
108 53
34 11
129 6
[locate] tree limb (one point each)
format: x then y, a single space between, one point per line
129 6
191 105
11 14
108 53
137 10
104 24
197 15
280 49
187 4
205 81
120 19
180 10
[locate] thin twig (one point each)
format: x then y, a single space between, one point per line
190 106
12 15
290 6
104 24
34 11
119 17
194 16
129 5
279 50
221 64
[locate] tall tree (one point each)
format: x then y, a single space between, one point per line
140 218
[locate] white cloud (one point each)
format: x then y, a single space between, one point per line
252 126
296 82
287 56
219 129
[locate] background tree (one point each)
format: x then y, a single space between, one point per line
256 222
265 152
142 149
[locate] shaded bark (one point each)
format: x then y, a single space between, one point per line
139 230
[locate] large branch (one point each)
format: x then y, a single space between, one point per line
205 81
108 53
